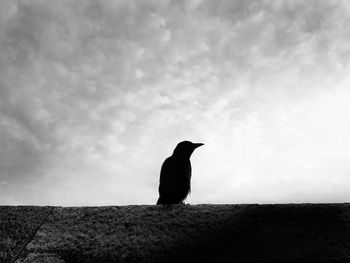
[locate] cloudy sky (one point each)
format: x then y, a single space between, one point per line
94 95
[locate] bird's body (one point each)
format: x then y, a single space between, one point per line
175 175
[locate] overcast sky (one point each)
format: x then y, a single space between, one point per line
94 95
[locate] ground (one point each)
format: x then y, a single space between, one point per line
181 233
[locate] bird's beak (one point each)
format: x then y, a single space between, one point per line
196 145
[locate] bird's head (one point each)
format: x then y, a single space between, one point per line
186 148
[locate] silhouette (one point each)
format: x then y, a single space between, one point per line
175 174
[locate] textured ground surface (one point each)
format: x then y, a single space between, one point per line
198 233
17 224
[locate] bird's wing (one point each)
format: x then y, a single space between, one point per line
166 166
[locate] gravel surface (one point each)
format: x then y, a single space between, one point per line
194 233
17 224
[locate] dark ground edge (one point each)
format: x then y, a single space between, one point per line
31 237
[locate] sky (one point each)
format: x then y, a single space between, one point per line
94 95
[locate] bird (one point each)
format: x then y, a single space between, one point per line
175 174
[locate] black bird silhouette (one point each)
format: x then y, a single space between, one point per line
175 174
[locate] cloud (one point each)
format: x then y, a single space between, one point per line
94 95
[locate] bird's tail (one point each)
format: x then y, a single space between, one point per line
161 201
